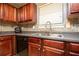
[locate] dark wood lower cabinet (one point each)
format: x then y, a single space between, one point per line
74 49
39 47
48 47
7 47
34 49
48 51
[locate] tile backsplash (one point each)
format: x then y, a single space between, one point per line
6 27
69 28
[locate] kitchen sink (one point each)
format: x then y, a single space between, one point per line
49 35
57 35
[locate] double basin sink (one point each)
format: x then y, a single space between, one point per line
48 35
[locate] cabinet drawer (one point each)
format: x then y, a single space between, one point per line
55 44
3 38
73 54
48 51
35 40
74 47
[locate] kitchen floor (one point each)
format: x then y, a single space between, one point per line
22 53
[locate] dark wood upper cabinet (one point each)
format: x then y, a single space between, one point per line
9 13
74 7
27 13
73 15
1 11
32 12
24 14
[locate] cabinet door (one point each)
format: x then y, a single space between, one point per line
1 11
22 14
27 13
6 10
9 13
13 14
33 49
5 47
48 51
32 12
74 7
74 49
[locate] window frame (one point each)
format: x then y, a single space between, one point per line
64 17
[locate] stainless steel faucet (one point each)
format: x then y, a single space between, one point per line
48 25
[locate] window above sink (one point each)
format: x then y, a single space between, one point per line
54 12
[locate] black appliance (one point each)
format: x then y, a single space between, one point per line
21 43
18 29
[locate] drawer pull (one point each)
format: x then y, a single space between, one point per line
1 39
38 48
43 50
0 43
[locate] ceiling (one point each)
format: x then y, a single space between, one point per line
18 5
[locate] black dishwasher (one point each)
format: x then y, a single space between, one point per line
21 43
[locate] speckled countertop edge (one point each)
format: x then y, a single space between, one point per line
74 38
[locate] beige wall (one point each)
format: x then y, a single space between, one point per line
6 27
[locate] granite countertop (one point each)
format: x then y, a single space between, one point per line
69 37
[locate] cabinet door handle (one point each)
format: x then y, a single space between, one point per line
0 43
38 48
1 39
43 50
